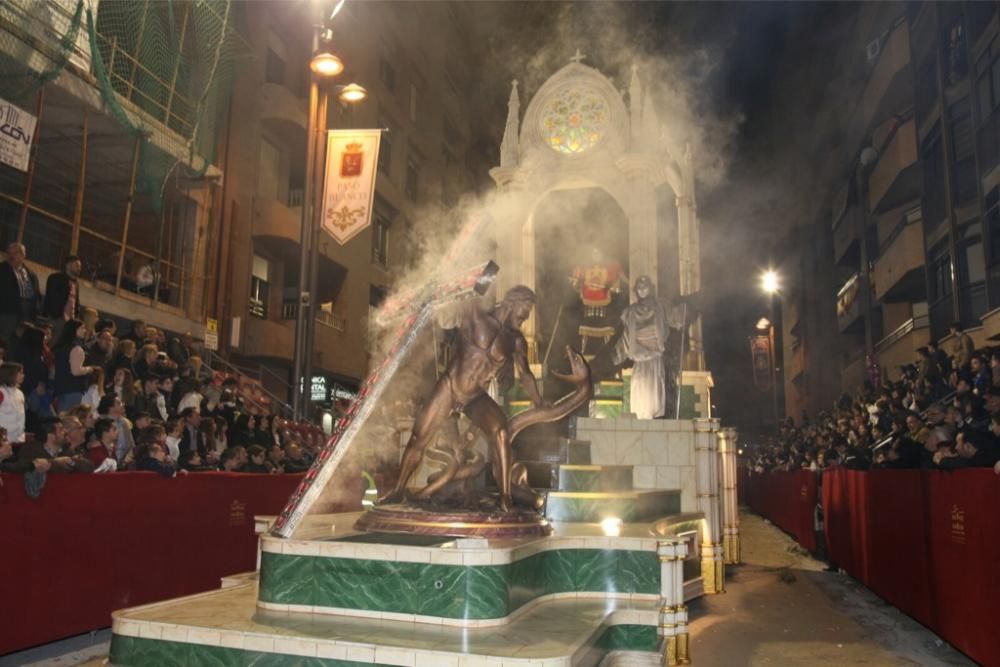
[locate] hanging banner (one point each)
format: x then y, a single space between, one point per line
349 182
760 352
17 129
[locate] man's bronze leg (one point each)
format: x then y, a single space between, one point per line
428 419
491 420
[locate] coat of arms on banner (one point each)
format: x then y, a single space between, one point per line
352 161
351 158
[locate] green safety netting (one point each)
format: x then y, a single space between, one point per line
164 69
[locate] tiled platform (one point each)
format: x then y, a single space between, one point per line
225 628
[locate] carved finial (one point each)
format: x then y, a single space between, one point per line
577 57
509 147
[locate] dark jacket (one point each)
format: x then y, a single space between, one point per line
150 464
56 294
188 443
36 450
10 292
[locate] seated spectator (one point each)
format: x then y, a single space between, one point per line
276 458
221 434
190 396
973 449
49 444
137 334
102 351
153 458
125 357
242 432
104 443
12 412
148 363
191 436
213 449
95 388
174 430
140 423
295 460
12 464
191 461
151 400
234 459
258 460
111 407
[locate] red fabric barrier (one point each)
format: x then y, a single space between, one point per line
926 541
92 544
787 499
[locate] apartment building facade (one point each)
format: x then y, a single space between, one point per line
140 162
902 235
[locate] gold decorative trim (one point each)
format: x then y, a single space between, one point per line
675 650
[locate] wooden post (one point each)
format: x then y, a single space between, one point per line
81 187
23 220
177 66
128 216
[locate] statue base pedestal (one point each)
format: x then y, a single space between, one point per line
405 518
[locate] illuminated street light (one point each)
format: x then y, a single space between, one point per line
326 64
769 281
763 324
351 93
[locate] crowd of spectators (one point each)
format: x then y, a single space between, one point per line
943 412
77 395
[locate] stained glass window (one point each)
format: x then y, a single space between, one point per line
574 120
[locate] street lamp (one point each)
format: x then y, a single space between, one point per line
323 66
770 282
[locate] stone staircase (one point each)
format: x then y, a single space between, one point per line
581 492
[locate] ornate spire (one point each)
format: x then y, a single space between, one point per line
635 102
509 148
650 123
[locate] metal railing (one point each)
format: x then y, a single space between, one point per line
279 406
328 319
918 322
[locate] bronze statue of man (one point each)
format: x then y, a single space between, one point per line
490 344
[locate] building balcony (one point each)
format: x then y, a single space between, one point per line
899 270
849 305
890 84
991 325
896 177
846 240
279 106
278 224
900 347
267 339
795 364
852 375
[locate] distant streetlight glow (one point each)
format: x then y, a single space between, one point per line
769 281
352 92
326 64
763 324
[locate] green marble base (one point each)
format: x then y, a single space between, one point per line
607 408
452 591
594 507
595 478
141 652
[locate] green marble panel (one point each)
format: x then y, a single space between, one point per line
609 389
452 591
611 478
136 652
607 408
689 402
589 510
629 638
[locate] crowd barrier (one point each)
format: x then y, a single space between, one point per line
787 499
926 541
91 544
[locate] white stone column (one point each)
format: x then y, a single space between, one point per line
672 629
730 511
707 463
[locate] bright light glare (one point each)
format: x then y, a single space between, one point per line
612 526
352 92
326 64
769 281
336 10
763 324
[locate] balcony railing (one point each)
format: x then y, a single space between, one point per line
919 322
258 308
848 294
289 309
328 319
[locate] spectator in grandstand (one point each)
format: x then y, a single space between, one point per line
276 458
123 386
12 405
29 350
174 431
137 334
973 449
242 432
257 460
234 459
148 363
12 464
221 434
180 349
140 422
213 449
295 460
102 350
62 295
962 346
151 401
153 458
982 378
20 296
112 408
49 444
190 396
191 461
95 389
104 442
192 438
125 357
71 374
